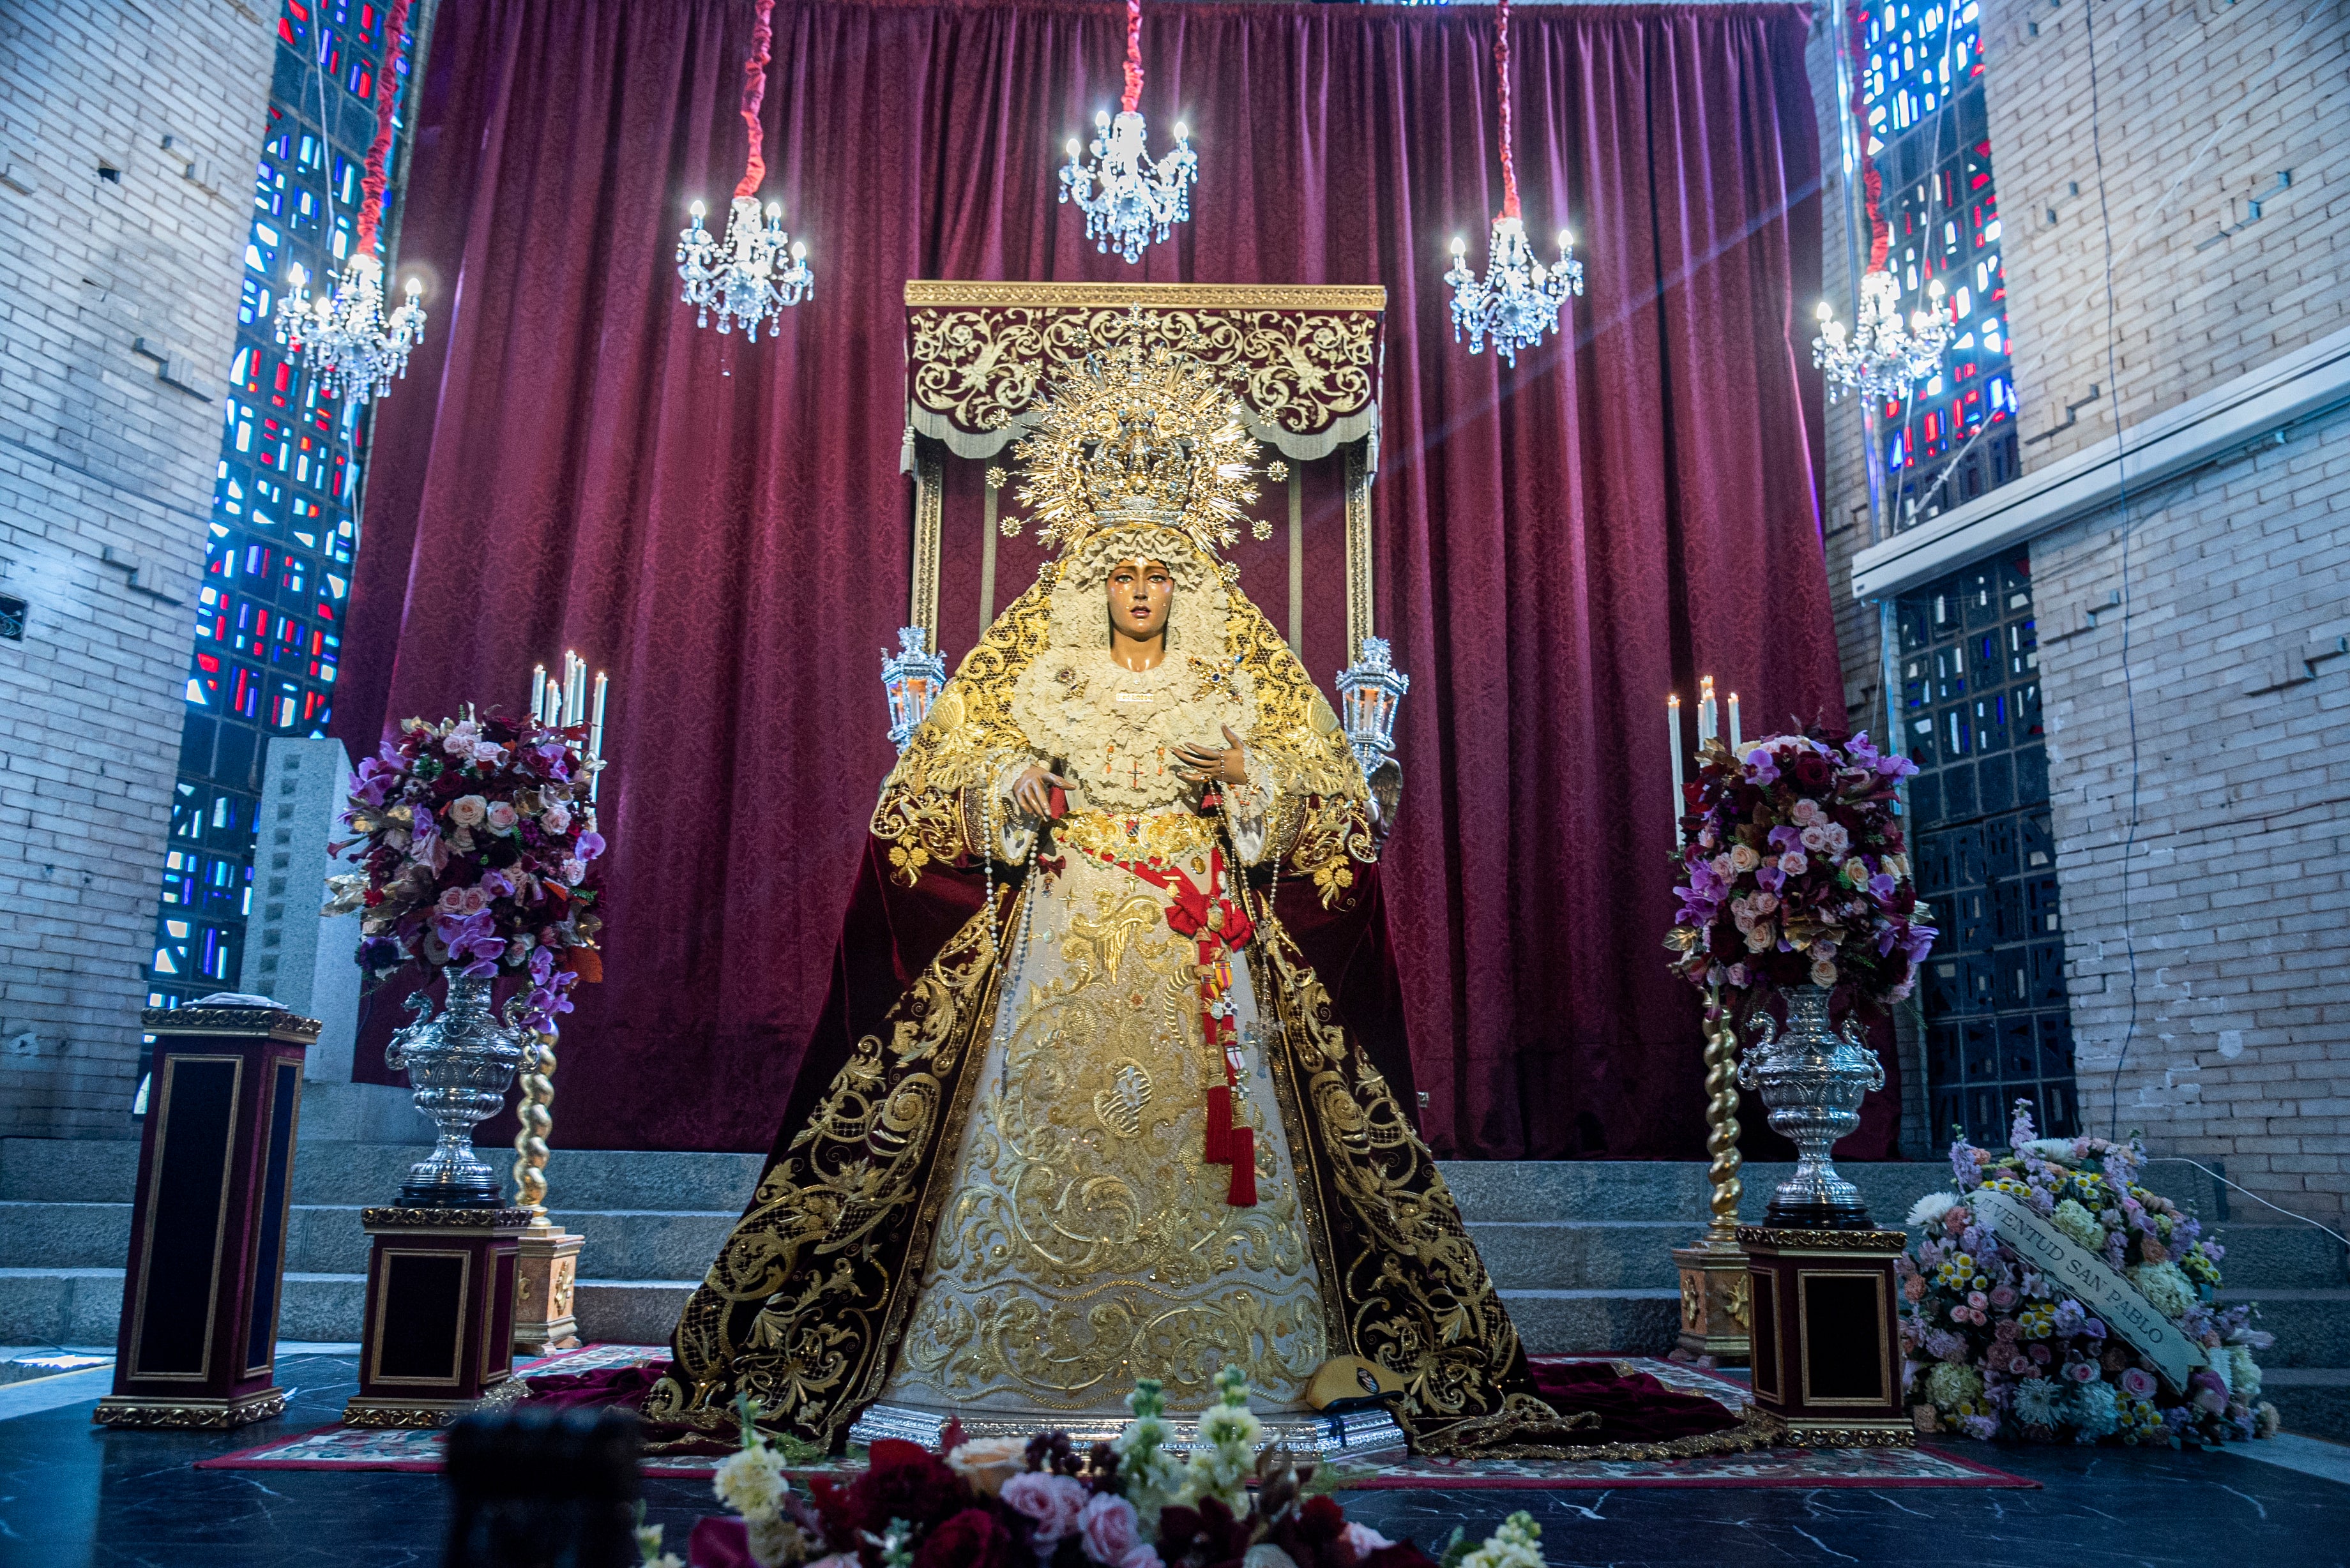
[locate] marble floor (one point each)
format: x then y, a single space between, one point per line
72 1494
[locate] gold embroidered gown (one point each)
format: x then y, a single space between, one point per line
1016 1174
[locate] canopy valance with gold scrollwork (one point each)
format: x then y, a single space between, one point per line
1302 359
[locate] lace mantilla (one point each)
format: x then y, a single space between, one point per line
1117 730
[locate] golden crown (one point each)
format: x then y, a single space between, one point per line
1141 432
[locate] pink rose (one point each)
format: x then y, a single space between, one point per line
452 901
557 819
1054 1503
468 811
2002 1296
1793 863
503 815
2081 1371
1815 837
2138 1383
1108 1529
574 870
1362 1540
1806 812
1143 1557
471 901
486 751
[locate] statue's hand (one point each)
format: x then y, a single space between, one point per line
1033 790
1203 764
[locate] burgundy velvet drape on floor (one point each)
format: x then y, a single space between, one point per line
571 463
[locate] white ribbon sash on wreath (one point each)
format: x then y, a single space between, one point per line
2080 1273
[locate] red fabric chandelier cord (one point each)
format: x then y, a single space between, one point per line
1501 71
1133 56
387 99
755 93
1871 183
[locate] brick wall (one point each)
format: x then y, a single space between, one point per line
2202 103
127 136
2235 888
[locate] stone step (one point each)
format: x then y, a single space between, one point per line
624 1243
2281 1257
2312 1326
1582 1254
59 1307
2314 1401
631 1312
1638 1322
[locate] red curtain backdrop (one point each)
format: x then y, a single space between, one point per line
571 463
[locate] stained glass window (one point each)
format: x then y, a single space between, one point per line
269 612
1954 437
1998 1023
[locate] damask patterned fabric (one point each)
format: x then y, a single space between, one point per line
570 464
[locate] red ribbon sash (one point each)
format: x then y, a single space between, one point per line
1220 926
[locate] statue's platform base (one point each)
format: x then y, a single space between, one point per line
1351 1434
190 1413
1827 1347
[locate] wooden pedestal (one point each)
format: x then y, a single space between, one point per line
1827 1350
549 1269
1715 1291
438 1340
198 1341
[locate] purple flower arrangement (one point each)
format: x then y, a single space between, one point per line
476 849
1794 871
1992 1349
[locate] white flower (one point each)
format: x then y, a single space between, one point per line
1823 974
1838 840
2168 1290
557 818
468 811
1929 1211
2243 1372
1725 868
486 751
774 1540
2058 1149
1517 1544
750 1481
574 870
503 815
1744 857
1362 1540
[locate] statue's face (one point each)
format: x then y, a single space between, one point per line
1140 593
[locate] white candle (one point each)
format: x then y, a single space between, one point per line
1736 743
538 689
1673 724
574 691
596 735
1706 728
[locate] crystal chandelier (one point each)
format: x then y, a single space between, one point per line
1139 200
343 339
1883 360
1517 302
749 279
344 336
758 269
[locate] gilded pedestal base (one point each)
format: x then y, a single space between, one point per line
1716 1294
425 1413
161 1410
1844 1432
548 1271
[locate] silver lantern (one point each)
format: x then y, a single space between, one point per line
1812 1077
1370 690
460 1065
912 677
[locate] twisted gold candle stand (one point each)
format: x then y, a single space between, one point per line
548 1269
1716 1294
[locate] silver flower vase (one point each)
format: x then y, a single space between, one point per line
1813 1078
459 1064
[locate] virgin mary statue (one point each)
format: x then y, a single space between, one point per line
1083 1108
